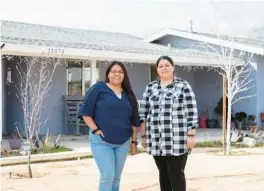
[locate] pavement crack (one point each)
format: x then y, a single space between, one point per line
145 187
221 176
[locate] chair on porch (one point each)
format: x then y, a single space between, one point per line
72 122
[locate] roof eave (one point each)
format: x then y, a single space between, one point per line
72 53
215 41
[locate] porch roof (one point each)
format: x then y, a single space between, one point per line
38 40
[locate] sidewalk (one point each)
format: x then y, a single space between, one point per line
81 148
81 143
204 172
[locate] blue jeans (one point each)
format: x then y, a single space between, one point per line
110 159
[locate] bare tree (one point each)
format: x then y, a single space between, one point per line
236 67
233 64
35 75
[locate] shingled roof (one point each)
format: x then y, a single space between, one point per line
50 36
249 41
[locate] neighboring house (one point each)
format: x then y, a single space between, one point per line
96 48
202 83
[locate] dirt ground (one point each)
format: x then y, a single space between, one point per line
205 171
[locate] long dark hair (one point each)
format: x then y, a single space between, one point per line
126 86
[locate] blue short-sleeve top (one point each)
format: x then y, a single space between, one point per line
113 115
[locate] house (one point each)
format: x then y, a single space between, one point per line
92 51
207 86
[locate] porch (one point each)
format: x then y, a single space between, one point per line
70 82
72 79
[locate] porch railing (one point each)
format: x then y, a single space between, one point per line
72 105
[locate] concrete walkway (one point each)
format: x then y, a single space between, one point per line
81 143
81 148
204 172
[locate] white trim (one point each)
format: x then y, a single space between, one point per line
99 69
158 35
193 36
93 71
30 50
83 77
67 79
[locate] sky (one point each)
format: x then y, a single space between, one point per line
140 17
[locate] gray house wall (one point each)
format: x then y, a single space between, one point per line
13 113
260 88
54 107
55 104
180 72
4 94
208 88
206 84
248 105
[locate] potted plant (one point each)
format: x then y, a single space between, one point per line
262 119
240 118
251 119
15 141
262 116
251 123
219 110
211 123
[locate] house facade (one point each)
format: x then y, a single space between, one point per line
195 41
84 57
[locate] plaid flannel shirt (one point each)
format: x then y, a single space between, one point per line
168 114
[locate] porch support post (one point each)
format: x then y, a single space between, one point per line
83 78
224 114
1 97
94 72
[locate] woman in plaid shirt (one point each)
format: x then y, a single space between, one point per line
168 114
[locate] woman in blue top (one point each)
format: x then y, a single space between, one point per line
110 110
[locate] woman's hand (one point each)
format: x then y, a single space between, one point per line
99 132
90 123
133 149
143 135
190 142
143 142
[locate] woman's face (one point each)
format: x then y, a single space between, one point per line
116 75
165 69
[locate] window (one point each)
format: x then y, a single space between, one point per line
81 75
74 78
153 71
